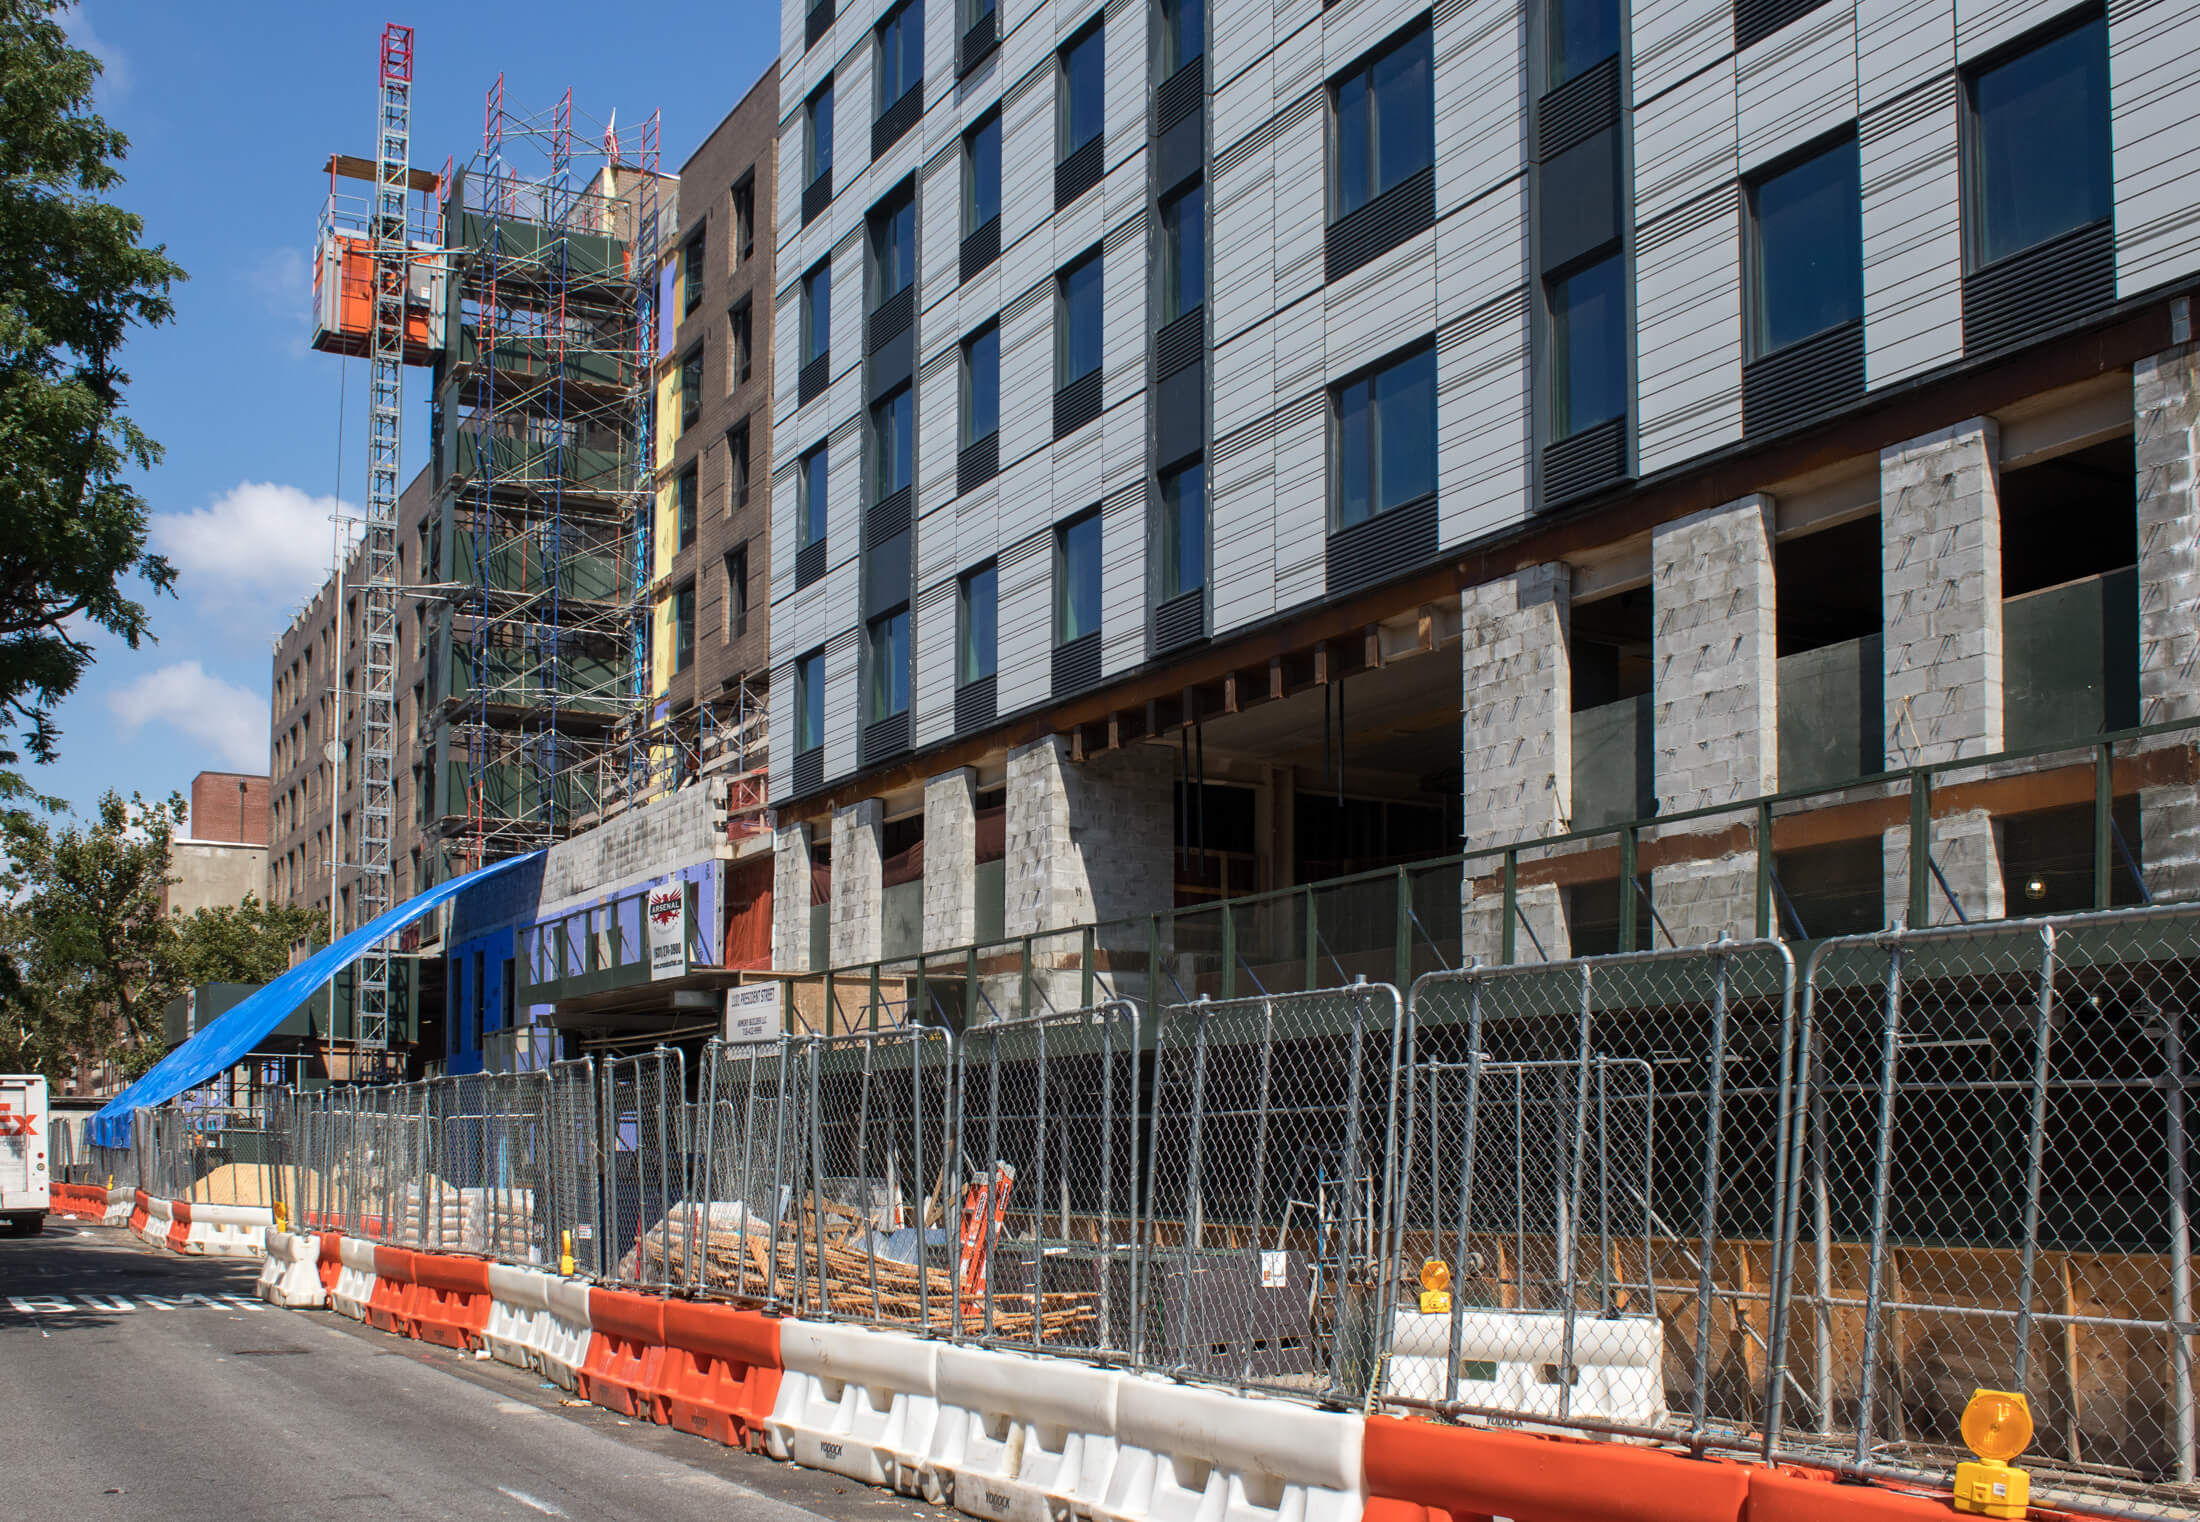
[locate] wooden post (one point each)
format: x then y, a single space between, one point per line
2072 1410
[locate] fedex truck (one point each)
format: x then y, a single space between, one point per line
25 1189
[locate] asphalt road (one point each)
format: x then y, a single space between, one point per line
138 1386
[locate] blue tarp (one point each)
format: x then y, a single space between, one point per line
230 1039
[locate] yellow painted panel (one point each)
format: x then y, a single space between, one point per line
668 413
660 647
664 532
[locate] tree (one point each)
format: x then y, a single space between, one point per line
74 280
238 943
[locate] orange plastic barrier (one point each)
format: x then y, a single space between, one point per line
138 1211
625 1367
331 1264
721 1372
79 1202
449 1301
179 1224
1785 1496
390 1309
1472 1472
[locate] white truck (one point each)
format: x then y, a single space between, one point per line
25 1183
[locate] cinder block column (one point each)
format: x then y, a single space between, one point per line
856 920
791 898
1085 842
1715 692
950 859
1517 720
2165 399
1940 563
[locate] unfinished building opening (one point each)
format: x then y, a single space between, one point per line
1216 842
901 886
2070 595
2048 864
992 864
1831 666
1609 649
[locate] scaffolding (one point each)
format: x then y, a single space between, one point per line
541 418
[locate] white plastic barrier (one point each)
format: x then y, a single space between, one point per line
856 1402
355 1278
159 1216
561 1333
121 1201
227 1231
518 1299
1191 1455
292 1273
1619 1362
1021 1439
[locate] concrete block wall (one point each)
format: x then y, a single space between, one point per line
2165 401
855 920
791 898
1940 549
1967 849
1090 841
667 833
950 859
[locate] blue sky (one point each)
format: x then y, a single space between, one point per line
229 123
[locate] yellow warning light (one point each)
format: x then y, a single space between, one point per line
1435 1287
282 1216
1997 1426
565 1253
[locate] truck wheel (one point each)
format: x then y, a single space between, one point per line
32 1225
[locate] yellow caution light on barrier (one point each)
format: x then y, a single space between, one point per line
1435 1288
282 1216
565 1253
1997 1426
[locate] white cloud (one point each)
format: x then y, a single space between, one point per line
259 536
114 79
187 697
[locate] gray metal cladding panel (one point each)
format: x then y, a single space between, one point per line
1180 153
1079 172
809 564
892 365
1577 110
1180 343
981 248
809 772
982 38
885 739
2039 288
1755 20
1805 380
886 579
891 319
1593 458
816 196
1179 95
1399 213
897 119
888 517
1577 207
1385 546
817 23
1180 621
1076 404
978 464
815 377
1180 415
975 705
1077 664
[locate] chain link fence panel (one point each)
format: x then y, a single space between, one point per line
572 1142
644 1156
750 1148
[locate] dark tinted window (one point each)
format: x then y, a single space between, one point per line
980 624
981 385
818 136
1077 344
1184 253
1184 529
894 248
1083 63
1183 33
890 664
683 627
817 312
1386 438
1807 260
1077 581
810 496
982 174
1386 122
2039 144
890 444
1588 316
809 702
1583 33
900 52
686 490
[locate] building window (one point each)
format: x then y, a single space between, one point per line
809 491
1385 123
979 619
809 702
975 11
1583 33
1806 249
737 461
744 218
891 443
1589 345
1077 578
1384 438
1184 253
1080 117
1077 321
691 274
1184 530
685 492
741 325
1183 34
893 250
691 388
817 312
981 384
889 664
737 593
982 174
683 627
2038 145
817 135
900 53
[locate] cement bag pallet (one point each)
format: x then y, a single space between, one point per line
856 1402
1019 1438
291 1272
1185 1454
